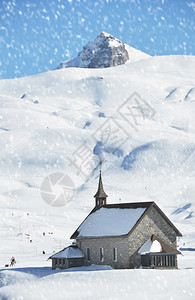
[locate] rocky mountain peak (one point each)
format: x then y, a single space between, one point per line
103 52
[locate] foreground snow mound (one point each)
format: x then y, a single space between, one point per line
105 51
112 284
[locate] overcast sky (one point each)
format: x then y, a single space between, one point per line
36 36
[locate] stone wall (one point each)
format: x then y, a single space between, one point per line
108 244
128 246
55 263
67 263
75 262
152 223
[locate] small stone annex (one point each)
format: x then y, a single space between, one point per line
125 235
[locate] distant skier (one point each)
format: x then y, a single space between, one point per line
13 261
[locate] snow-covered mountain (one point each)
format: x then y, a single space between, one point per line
138 118
105 51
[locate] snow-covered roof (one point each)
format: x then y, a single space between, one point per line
156 245
116 220
110 220
150 246
69 252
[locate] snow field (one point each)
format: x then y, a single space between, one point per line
39 134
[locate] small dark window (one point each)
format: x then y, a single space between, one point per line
64 261
88 254
115 254
60 261
101 254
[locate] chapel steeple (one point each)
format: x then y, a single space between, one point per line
100 196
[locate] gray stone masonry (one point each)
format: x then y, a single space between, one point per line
152 223
128 246
67 263
108 244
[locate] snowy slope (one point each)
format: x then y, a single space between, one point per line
146 141
135 54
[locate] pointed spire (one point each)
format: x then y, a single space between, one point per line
100 195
